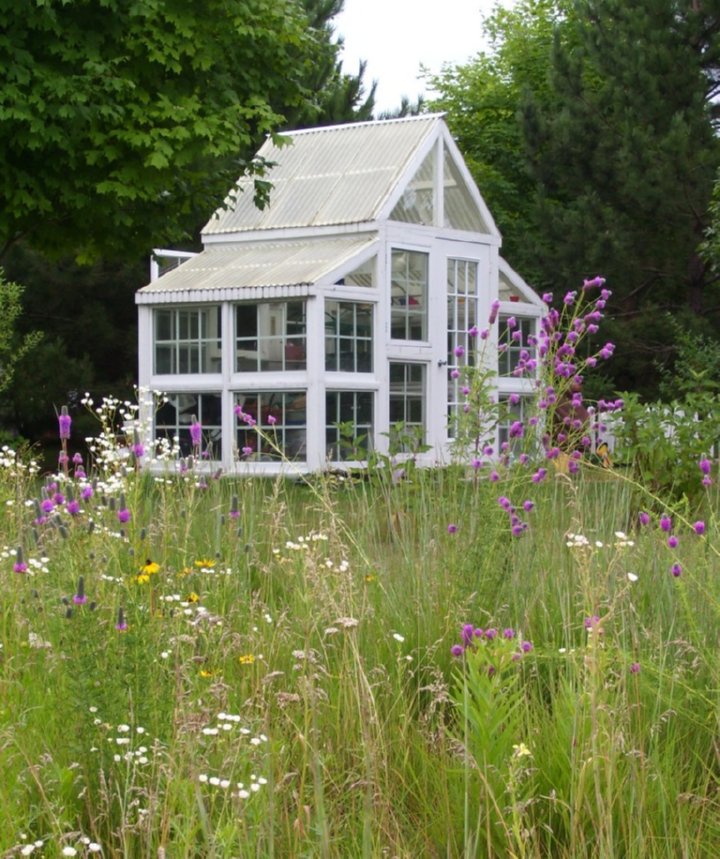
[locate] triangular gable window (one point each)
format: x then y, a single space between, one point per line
416 206
508 291
461 210
363 275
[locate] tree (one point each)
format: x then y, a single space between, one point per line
13 347
123 120
590 127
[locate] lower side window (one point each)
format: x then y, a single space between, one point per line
349 425
175 417
280 417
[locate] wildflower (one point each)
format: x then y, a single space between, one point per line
473 331
454 374
69 851
491 633
699 527
634 667
594 282
644 518
676 570
398 637
121 625
526 646
665 524
494 307
19 566
459 351
123 515
632 577
192 597
672 542
205 564
520 750
247 450
195 432
705 465
528 505
149 568
141 579
451 528
457 650
539 475
246 659
64 424
509 633
80 598
494 476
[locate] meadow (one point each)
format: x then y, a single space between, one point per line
356 668
512 656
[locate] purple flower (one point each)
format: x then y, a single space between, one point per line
234 508
705 465
676 570
87 492
592 622
491 633
64 424
47 505
467 634
454 373
526 646
539 475
123 515
473 332
672 542
272 420
195 432
476 463
19 566
699 527
484 334
594 282
247 450
644 517
73 507
459 351
457 650
665 524
547 297
494 307
452 528
80 598
504 502
494 476
634 667
121 625
528 505
509 633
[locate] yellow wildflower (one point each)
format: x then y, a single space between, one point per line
204 563
204 672
192 597
141 579
150 568
246 659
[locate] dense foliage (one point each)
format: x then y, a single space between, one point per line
590 129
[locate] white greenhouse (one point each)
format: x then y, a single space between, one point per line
333 315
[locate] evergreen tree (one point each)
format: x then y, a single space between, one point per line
623 165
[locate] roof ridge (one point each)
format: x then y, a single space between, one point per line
342 126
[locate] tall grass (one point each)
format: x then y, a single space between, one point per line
285 685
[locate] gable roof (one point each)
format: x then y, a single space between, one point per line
341 174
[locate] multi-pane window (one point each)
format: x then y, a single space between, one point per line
281 417
516 341
348 336
175 415
187 340
363 275
407 398
409 295
349 424
462 310
270 336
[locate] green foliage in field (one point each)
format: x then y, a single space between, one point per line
285 684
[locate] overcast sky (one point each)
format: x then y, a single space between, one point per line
397 36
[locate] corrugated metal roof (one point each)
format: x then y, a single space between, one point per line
327 176
259 264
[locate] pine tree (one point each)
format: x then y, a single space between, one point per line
624 164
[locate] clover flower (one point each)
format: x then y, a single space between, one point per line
452 528
676 570
699 527
644 518
121 624
64 424
80 598
705 466
195 432
665 524
19 566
